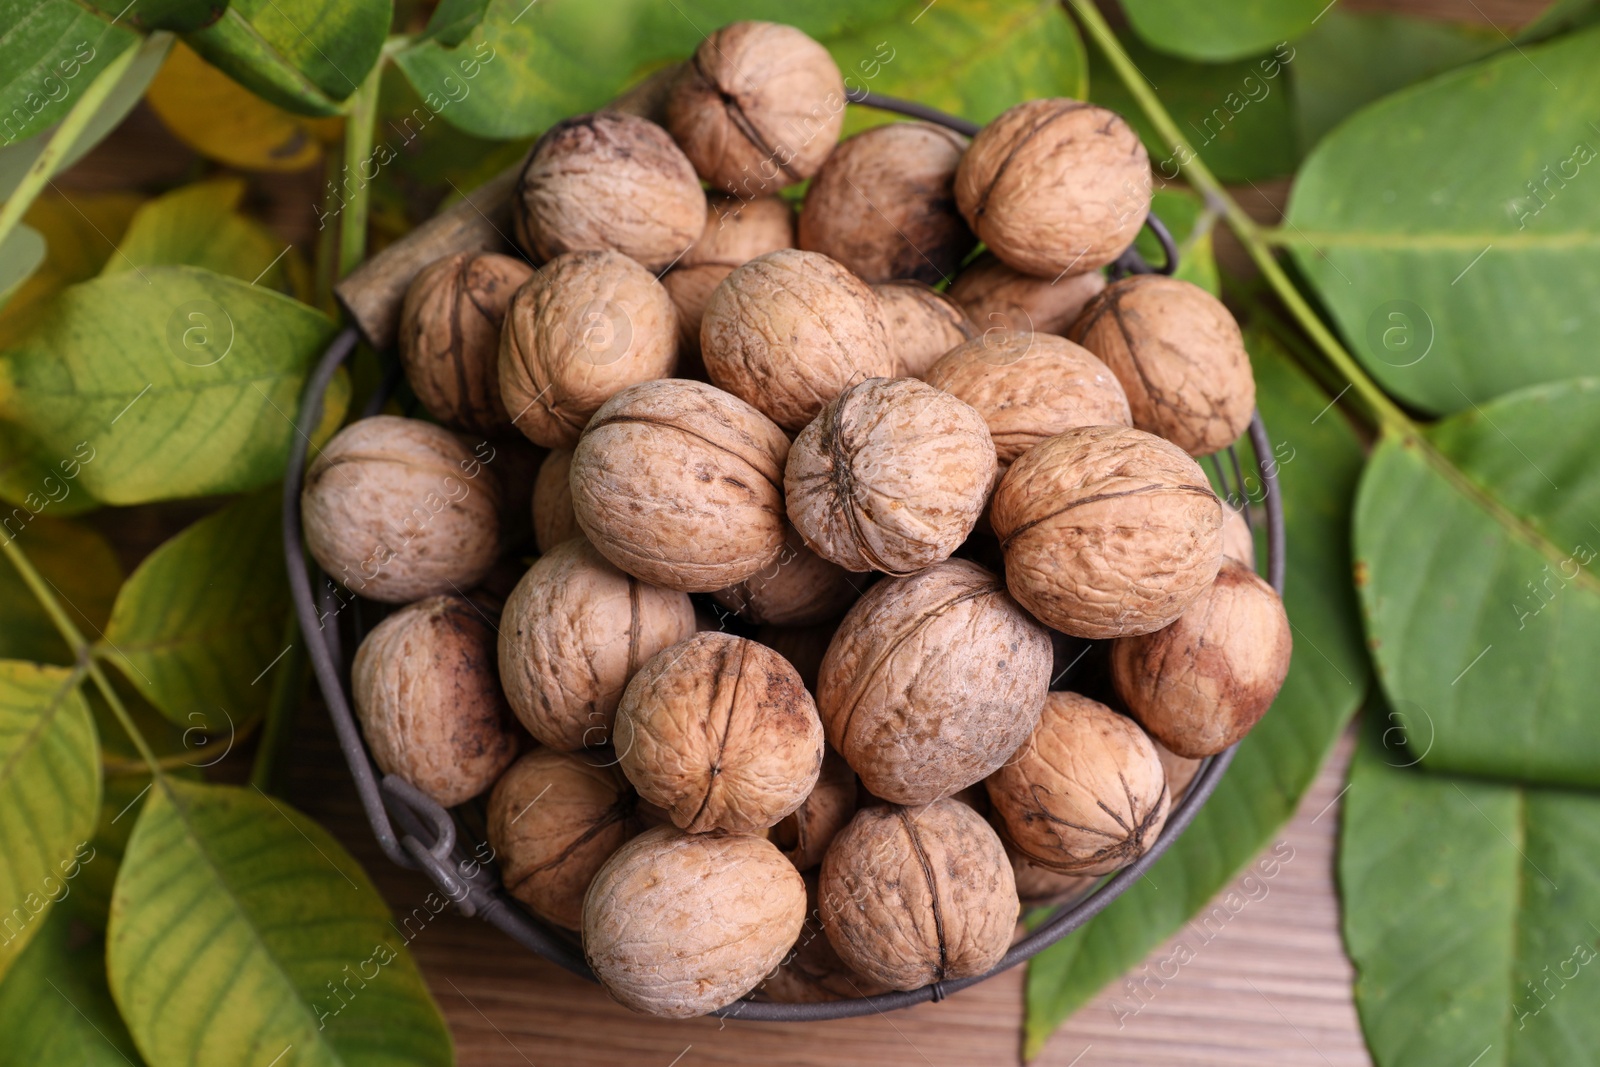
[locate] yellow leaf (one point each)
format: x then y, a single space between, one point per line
81 233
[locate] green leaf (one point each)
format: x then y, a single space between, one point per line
49 52
82 571
49 795
241 929
452 20
55 1009
1221 29
1190 223
21 254
1420 223
1319 461
1484 619
304 55
79 237
182 382
1469 911
1560 17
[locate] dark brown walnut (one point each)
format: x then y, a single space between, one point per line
1180 770
758 107
679 924
398 509
924 324
802 646
554 818
449 337
593 324
608 181
1055 187
1238 541
1030 386
553 521
797 589
736 232
681 484
812 972
429 701
1180 357
1086 795
789 331
573 632
884 205
1200 684
891 477
912 896
1107 531
720 732
1039 887
805 833
932 681
997 297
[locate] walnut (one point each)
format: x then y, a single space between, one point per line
1107 531
883 204
805 833
572 634
398 509
1039 887
553 521
593 324
1180 770
997 297
1180 356
892 476
680 924
1086 795
797 589
554 818
1029 387
711 462
429 701
924 324
932 681
802 646
789 331
914 896
1200 684
812 972
1238 541
1055 186
608 181
736 232
449 337
720 732
758 107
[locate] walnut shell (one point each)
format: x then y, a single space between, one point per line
691 452
812 972
593 324
758 107
1055 186
1029 387
553 521
805 833
884 205
680 924
608 181
1107 531
449 337
720 731
997 297
736 232
789 331
1039 887
399 509
798 588
802 646
1179 354
924 324
1238 540
429 700
932 681
1086 795
573 632
1200 684
554 818
914 896
691 289
1180 770
892 476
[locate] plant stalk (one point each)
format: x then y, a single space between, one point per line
359 127
287 689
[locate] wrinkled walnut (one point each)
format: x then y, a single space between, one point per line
679 924
711 462
932 681
1180 770
553 521
805 833
892 476
1055 186
812 972
797 589
1107 531
736 232
914 896
997 297
429 700
802 646
1238 542
1039 887
924 324
720 732
1086 795
1200 684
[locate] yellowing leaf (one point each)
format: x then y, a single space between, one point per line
80 235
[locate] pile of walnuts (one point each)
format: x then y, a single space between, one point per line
772 710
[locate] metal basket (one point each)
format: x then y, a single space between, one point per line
417 833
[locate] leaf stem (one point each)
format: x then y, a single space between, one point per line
359 126
287 689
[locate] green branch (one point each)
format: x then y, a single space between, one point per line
359 125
